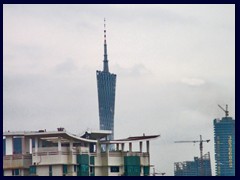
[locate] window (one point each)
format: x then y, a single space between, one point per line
91 169
17 145
114 168
15 172
50 170
146 170
92 160
75 168
32 170
65 170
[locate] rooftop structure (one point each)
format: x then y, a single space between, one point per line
60 153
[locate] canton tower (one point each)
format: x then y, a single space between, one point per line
106 85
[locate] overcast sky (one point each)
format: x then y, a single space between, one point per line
174 64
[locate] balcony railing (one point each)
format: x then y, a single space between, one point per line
119 153
17 161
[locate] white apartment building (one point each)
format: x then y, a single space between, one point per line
60 153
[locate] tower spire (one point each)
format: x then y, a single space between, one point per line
105 61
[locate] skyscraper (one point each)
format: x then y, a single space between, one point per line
224 142
106 84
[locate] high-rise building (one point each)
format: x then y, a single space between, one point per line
106 84
224 138
193 168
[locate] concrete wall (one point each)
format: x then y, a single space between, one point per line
8 172
97 171
71 171
17 161
57 170
144 161
101 171
44 170
51 155
25 172
115 161
9 145
22 172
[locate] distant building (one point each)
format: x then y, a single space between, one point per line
193 168
106 85
224 138
60 153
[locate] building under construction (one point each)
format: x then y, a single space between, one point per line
193 168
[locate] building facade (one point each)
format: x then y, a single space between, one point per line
224 142
60 153
193 168
106 85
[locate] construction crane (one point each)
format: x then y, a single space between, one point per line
225 110
201 150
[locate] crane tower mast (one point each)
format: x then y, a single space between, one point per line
201 150
225 110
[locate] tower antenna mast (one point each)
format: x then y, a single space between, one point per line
105 61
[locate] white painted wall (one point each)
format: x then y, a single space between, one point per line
9 145
115 161
25 145
22 172
144 161
25 172
8 172
43 170
47 158
71 171
57 170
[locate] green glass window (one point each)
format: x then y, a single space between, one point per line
92 160
65 170
83 159
15 172
33 170
146 170
92 171
50 170
83 170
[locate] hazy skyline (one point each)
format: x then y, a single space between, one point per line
174 64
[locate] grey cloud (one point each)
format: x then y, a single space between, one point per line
49 75
193 81
67 66
47 98
137 70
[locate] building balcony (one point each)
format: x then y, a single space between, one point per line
51 155
17 161
125 153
